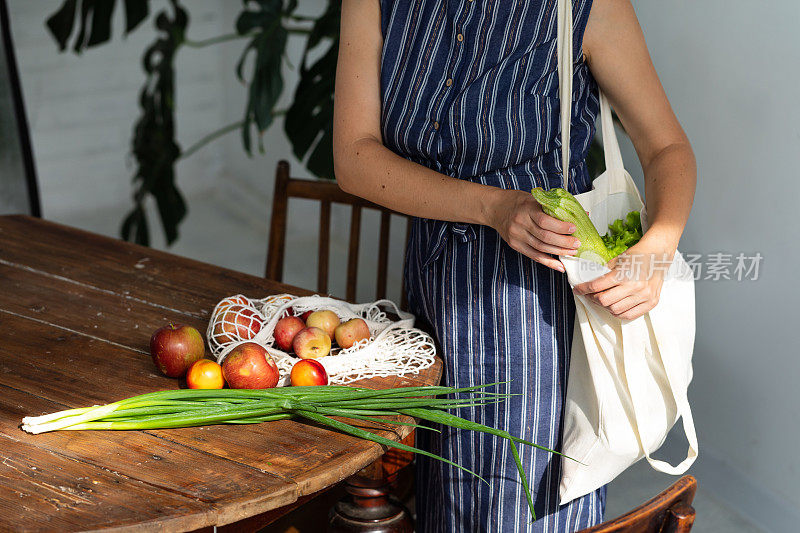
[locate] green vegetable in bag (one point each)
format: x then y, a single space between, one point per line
622 234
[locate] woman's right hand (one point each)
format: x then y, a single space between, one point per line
520 221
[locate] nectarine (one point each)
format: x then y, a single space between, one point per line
205 374
308 372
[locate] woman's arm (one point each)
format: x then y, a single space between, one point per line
366 168
618 58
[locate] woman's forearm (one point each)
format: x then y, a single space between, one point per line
670 179
368 169
617 54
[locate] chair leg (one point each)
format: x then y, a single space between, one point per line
680 518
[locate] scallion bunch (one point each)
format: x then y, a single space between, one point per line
197 407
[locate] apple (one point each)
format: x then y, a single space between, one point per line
351 332
305 315
233 300
311 343
324 320
236 323
308 372
249 366
175 347
285 330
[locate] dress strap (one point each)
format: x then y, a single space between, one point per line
613 156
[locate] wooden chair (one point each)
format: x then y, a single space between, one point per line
367 501
669 512
327 193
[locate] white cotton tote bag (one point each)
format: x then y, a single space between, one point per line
628 380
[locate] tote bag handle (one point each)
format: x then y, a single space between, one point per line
634 337
564 57
611 150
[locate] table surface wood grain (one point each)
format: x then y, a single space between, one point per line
76 314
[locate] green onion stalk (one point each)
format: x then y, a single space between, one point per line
199 407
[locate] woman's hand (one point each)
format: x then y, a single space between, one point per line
520 221
633 286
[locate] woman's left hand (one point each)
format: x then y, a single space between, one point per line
633 286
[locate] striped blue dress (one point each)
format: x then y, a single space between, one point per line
469 88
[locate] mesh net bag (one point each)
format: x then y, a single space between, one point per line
394 348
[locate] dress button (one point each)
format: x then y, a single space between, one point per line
435 125
460 37
449 82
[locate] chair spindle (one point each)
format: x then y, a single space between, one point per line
324 246
383 255
352 255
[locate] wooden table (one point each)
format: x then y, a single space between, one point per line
76 314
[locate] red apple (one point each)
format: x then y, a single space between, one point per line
233 300
305 315
351 332
324 320
175 347
285 330
236 323
311 343
249 366
308 372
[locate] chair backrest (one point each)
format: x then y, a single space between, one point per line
18 190
327 193
669 512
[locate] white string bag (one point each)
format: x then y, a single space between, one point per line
628 380
395 348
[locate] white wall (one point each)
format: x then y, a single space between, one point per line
81 109
731 71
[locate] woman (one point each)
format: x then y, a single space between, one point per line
448 110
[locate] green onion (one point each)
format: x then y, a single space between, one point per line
198 407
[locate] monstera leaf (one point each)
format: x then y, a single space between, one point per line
265 24
263 20
99 13
309 120
154 144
